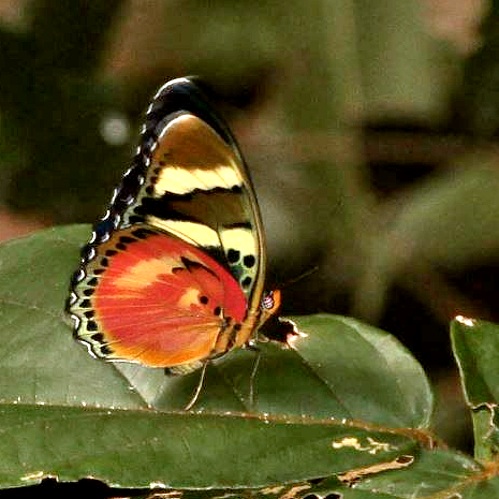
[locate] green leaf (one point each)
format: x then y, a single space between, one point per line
41 363
65 413
366 370
136 448
341 368
435 225
445 473
476 347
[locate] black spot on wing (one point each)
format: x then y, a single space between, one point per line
141 233
233 256
99 337
106 350
246 282
127 239
249 261
92 326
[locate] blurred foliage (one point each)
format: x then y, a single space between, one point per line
52 105
478 105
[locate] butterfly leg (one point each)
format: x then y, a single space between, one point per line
199 386
251 398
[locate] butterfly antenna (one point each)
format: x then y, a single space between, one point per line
300 277
195 396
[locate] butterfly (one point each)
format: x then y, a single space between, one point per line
173 275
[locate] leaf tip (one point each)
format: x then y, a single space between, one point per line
466 321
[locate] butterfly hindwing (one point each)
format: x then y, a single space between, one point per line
155 300
173 274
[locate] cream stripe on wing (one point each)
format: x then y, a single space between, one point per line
179 180
191 156
192 232
239 238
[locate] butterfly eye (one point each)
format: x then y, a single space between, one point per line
271 301
268 302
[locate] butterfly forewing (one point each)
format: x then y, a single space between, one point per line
196 189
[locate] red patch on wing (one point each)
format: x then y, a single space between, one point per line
159 301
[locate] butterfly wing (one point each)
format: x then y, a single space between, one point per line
156 300
191 287
195 189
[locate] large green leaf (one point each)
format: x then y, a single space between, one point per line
340 368
435 225
445 221
329 402
136 448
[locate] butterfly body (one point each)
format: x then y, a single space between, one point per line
174 273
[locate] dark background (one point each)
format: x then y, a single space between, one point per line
369 128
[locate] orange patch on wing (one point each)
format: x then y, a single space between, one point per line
148 302
141 274
190 297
